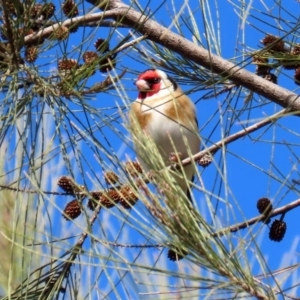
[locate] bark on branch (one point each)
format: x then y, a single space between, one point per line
161 35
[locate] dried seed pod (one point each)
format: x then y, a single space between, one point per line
290 64
94 200
72 210
271 77
262 70
133 168
61 33
175 256
70 9
14 7
73 28
296 50
127 197
31 54
110 199
107 64
273 43
67 66
89 57
48 10
277 230
259 60
102 45
111 177
264 206
205 160
66 183
36 11
297 76
69 186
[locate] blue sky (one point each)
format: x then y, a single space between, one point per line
256 166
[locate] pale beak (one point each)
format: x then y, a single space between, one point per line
142 85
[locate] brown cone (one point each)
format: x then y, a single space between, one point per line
72 210
277 230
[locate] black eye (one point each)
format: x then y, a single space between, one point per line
154 80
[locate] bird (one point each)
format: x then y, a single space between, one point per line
164 115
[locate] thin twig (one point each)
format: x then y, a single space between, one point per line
279 211
82 20
130 44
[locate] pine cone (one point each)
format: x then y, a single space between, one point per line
70 9
297 76
259 60
262 70
111 177
107 64
93 202
271 77
14 7
102 45
73 28
48 10
175 256
296 50
264 206
277 44
61 33
110 199
277 230
133 168
67 66
107 200
36 11
290 64
31 54
69 186
89 57
127 197
72 210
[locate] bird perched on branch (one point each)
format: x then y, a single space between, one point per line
166 116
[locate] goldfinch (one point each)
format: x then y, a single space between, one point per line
167 116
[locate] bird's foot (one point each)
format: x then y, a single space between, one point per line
175 157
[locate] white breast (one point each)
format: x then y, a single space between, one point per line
169 137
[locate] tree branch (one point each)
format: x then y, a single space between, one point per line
187 49
217 146
276 212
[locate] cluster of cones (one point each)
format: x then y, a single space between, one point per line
280 53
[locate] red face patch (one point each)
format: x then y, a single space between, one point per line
153 80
